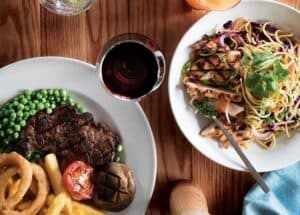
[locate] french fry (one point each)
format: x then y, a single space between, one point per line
57 205
68 206
82 209
54 174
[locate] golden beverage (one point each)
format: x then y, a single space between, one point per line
212 4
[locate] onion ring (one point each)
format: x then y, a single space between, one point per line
25 171
43 189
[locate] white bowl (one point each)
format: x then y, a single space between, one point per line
287 150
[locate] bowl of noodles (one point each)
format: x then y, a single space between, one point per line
242 66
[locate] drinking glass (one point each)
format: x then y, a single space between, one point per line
131 66
212 4
67 7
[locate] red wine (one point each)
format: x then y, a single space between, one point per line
130 70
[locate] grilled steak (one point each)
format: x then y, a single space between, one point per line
70 135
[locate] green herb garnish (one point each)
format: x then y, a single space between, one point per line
263 59
205 108
265 81
186 67
261 84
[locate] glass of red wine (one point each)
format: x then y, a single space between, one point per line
131 66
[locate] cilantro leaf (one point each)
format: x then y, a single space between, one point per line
260 57
280 73
261 85
262 60
269 73
205 108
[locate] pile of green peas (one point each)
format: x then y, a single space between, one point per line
15 113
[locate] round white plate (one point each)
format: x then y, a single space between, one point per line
127 118
287 150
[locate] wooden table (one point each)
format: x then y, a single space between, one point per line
28 30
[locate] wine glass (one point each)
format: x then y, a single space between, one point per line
67 7
131 66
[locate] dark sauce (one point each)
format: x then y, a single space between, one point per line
130 70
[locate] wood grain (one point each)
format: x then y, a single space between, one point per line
19 30
28 30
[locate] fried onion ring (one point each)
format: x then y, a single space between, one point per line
24 169
41 196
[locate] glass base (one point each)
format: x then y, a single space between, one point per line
67 7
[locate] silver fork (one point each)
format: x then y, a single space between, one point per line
259 179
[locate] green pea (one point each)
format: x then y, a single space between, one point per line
2 133
40 106
20 113
58 100
36 101
63 93
37 156
52 106
17 128
10 106
39 96
22 123
64 98
48 111
9 131
117 158
51 98
70 100
32 112
26 108
44 92
16 135
20 97
21 107
27 92
32 105
11 124
44 100
56 92
13 116
77 105
50 92
26 115
5 121
47 105
119 148
15 103
19 119
24 101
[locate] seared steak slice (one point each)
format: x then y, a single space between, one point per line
70 135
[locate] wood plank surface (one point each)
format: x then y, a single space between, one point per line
28 30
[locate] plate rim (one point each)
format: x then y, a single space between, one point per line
172 100
139 108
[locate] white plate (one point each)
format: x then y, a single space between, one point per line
82 80
287 150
